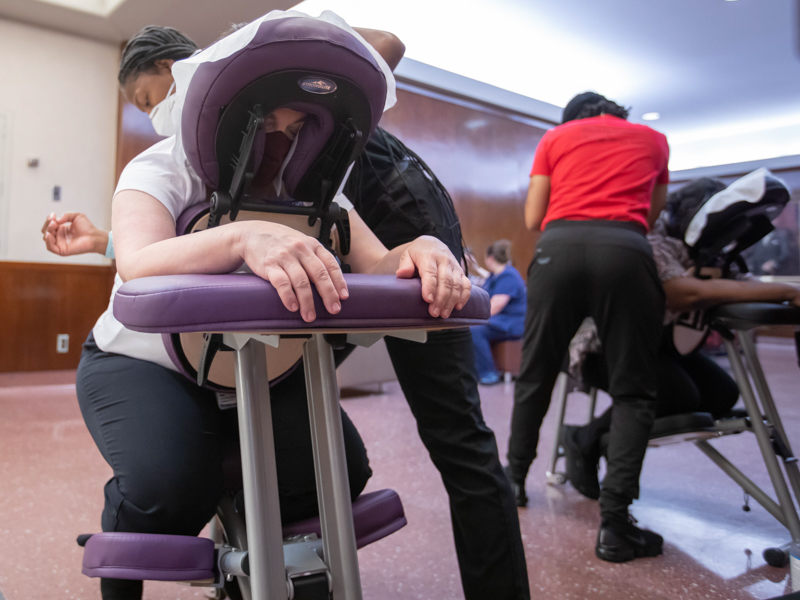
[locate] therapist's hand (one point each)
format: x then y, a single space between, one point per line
292 261
73 233
444 285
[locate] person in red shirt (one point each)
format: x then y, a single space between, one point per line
597 185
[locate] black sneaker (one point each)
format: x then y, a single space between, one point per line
518 487
581 466
619 542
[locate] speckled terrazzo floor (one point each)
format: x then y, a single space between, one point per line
51 479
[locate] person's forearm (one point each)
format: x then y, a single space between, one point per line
389 262
688 293
100 243
217 250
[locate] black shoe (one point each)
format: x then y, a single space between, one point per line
518 487
621 541
581 466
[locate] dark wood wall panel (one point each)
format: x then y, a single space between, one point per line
483 158
38 301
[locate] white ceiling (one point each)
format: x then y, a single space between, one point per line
724 75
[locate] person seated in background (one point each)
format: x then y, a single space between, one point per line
598 183
508 297
399 199
686 383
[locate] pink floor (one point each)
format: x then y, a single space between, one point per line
51 479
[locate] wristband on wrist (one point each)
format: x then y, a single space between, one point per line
110 247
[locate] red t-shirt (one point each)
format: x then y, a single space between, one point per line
601 168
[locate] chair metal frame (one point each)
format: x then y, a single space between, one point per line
763 420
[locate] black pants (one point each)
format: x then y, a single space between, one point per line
165 438
439 381
686 384
602 270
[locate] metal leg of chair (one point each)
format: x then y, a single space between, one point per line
262 506
592 404
742 480
561 407
762 388
764 442
235 530
333 490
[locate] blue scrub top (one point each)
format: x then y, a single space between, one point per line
512 318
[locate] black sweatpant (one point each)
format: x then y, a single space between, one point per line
439 381
164 437
604 270
686 384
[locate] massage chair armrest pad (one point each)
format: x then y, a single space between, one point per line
749 315
245 302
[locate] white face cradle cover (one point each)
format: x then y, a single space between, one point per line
183 70
749 188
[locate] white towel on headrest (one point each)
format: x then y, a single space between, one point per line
749 188
184 70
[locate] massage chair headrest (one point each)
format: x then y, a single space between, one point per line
741 212
295 62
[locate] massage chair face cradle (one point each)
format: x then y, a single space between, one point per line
722 230
234 306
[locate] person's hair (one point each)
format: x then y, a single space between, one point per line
151 44
602 107
500 251
683 204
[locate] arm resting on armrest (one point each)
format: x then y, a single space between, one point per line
689 293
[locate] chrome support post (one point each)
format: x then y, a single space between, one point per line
561 406
760 382
262 506
764 443
333 489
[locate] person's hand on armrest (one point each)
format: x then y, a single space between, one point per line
444 285
72 234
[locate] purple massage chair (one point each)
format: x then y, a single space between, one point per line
320 69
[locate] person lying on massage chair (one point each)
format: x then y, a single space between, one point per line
162 434
399 198
686 383
429 373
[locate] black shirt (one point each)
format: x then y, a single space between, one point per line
399 197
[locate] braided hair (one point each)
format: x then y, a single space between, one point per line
151 44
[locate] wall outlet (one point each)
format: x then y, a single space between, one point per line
62 343
56 193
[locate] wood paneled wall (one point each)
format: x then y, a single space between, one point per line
38 301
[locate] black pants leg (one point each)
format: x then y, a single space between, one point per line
439 382
603 270
627 303
556 307
163 436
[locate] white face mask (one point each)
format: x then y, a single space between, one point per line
161 114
